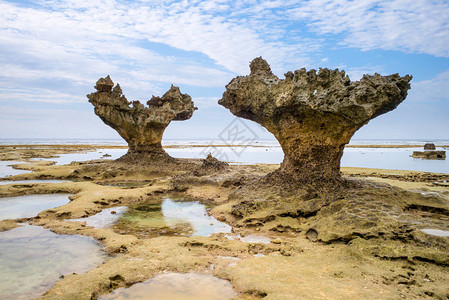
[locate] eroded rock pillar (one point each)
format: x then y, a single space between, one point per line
312 114
142 127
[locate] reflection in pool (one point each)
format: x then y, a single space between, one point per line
169 286
30 206
170 218
33 258
106 218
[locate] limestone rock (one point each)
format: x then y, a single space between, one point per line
210 164
429 146
312 115
429 154
141 126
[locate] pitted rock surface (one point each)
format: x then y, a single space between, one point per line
312 114
141 126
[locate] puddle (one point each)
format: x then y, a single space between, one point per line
126 184
169 286
32 181
106 218
33 258
436 232
6 169
30 206
250 238
170 218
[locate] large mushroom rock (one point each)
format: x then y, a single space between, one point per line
312 115
142 127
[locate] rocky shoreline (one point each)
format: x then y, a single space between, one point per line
360 241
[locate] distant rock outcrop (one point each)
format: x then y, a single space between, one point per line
312 115
142 127
430 154
429 146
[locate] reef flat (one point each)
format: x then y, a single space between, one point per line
364 239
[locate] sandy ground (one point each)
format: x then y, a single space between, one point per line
359 242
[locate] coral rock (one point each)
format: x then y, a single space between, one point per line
312 115
429 146
430 154
142 127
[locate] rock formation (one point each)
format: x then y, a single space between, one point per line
141 127
210 165
312 115
429 154
429 146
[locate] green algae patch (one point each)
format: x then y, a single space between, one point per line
146 220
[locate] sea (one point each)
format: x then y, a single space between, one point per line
262 151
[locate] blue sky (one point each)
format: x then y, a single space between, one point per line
52 52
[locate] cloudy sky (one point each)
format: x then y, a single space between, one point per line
53 51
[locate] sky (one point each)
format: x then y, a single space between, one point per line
52 53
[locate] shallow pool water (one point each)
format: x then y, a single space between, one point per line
7 170
169 286
106 218
170 218
30 206
31 181
68 158
33 258
436 232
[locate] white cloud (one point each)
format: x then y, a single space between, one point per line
36 95
78 41
432 90
56 123
54 51
418 26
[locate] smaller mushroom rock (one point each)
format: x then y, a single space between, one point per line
429 146
141 127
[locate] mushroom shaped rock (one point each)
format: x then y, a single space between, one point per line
312 115
142 127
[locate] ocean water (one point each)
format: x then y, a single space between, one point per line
260 151
206 141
